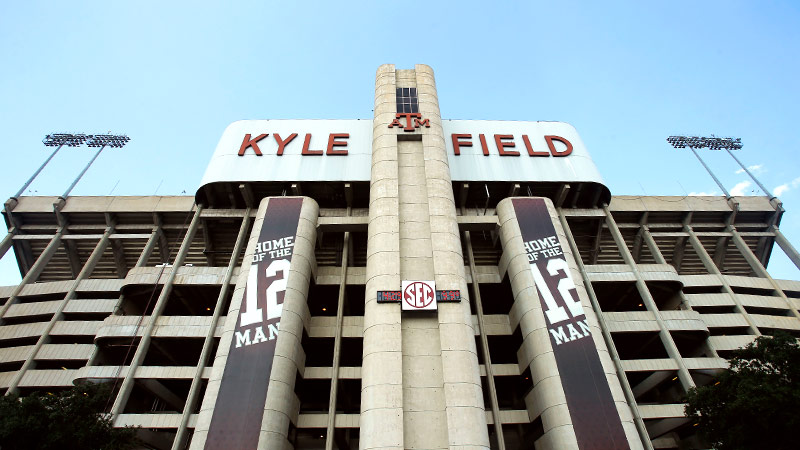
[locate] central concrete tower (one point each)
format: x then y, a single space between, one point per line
421 385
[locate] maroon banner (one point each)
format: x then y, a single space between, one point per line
594 415
236 421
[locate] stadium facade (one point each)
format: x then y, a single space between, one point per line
401 282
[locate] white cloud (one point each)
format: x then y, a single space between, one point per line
738 190
754 169
780 190
704 194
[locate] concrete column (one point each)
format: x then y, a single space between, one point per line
194 389
487 357
759 269
337 343
7 241
712 268
666 338
144 344
463 396
58 316
381 420
783 243
148 247
547 399
282 405
656 252
35 271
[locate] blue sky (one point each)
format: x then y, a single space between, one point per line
173 75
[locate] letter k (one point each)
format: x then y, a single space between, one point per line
247 142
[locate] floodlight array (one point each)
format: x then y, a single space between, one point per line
107 140
68 139
91 140
713 142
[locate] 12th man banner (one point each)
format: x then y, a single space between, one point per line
591 406
236 421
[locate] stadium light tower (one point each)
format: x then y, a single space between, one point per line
716 143
102 141
56 140
713 143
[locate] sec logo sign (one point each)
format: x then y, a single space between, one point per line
418 295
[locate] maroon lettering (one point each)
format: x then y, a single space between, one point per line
483 145
552 146
247 142
409 124
424 122
395 123
332 142
458 143
530 149
307 144
501 145
282 143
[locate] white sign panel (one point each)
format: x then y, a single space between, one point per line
418 295
517 151
341 150
292 150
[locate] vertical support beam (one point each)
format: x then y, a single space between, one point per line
464 408
612 350
72 256
598 235
194 390
272 370
381 420
652 246
144 342
337 344
280 409
148 247
666 338
563 190
163 244
637 240
487 359
117 249
209 244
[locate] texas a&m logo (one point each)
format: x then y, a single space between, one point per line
410 126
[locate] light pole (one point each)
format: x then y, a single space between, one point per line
102 141
56 140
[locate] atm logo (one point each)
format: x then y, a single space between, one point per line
410 125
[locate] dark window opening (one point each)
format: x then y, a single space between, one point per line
173 352
323 299
644 345
497 298
407 100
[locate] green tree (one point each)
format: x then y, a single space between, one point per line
70 419
755 404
